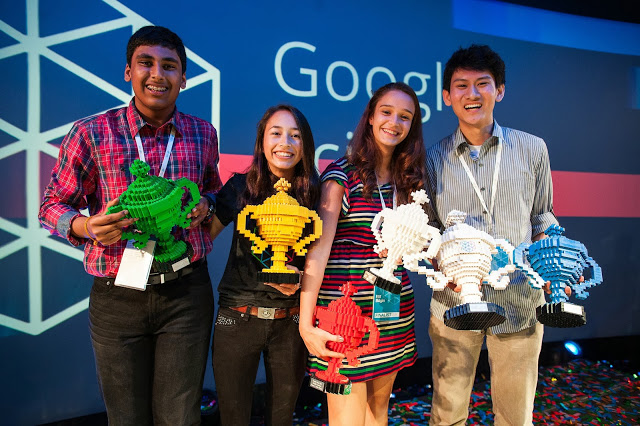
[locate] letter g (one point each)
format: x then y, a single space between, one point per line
304 71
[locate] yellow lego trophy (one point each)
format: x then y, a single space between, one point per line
280 223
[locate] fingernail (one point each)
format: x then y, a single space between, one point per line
340 339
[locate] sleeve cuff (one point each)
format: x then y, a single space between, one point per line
541 222
63 227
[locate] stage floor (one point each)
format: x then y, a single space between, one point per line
601 386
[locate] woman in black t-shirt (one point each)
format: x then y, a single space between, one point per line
257 318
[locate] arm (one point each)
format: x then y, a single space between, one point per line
72 180
430 187
102 228
542 215
216 227
202 213
316 261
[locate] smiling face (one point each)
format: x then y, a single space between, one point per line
282 144
473 95
391 119
156 76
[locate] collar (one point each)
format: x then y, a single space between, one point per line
136 122
460 142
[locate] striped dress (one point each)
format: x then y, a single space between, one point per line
351 254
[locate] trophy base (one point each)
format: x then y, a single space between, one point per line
383 283
474 316
279 277
561 315
329 387
175 264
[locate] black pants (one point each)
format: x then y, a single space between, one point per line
151 348
238 343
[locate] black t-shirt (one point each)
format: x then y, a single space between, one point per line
239 285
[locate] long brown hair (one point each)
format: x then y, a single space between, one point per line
408 168
305 187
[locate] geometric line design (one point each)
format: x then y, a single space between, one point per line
33 142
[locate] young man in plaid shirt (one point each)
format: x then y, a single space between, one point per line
150 346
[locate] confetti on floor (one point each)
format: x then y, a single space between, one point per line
578 393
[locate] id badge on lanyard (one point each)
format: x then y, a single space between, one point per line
135 265
386 305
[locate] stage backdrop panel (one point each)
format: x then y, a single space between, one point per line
574 81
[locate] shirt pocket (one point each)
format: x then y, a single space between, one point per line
113 167
521 188
186 164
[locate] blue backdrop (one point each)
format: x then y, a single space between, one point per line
574 81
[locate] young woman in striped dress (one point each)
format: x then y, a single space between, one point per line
385 162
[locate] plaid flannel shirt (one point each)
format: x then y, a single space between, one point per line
93 168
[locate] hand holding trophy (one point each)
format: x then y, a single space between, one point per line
157 204
465 258
344 318
561 261
404 233
280 223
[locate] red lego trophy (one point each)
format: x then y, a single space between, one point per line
344 318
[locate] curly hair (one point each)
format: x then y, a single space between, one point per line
408 164
260 181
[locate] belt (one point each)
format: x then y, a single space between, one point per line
267 313
169 276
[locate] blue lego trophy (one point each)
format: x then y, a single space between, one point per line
562 262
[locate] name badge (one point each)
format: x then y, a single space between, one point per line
135 266
386 305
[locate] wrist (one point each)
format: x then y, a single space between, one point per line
211 210
87 232
305 326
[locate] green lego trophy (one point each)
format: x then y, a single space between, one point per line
158 205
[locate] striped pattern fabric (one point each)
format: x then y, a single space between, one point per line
523 209
93 168
351 254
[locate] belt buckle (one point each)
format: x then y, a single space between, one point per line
266 313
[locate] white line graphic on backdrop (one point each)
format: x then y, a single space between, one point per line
32 142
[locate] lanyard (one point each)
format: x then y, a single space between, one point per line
384 206
167 153
494 186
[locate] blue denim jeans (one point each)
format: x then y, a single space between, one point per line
238 342
151 348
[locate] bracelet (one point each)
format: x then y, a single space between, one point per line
86 231
212 208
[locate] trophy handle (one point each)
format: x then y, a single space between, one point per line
596 279
519 256
375 228
499 279
436 241
317 231
374 336
411 261
259 245
195 199
435 279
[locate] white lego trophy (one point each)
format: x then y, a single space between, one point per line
465 258
404 233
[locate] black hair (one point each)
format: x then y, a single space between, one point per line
157 36
477 58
